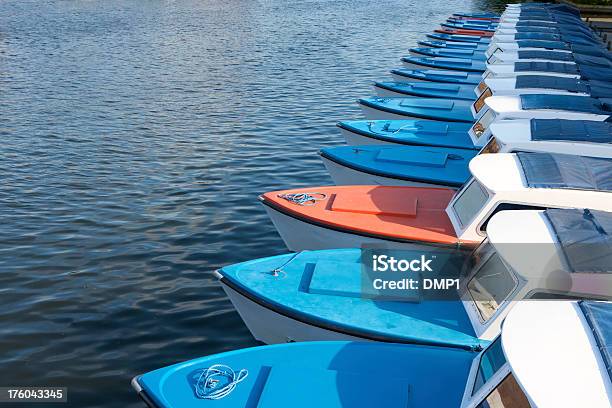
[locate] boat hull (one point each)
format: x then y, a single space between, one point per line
357 139
271 327
300 235
377 114
346 176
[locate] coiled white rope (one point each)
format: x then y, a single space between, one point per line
208 384
304 198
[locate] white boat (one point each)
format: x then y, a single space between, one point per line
577 137
508 268
536 106
537 84
412 217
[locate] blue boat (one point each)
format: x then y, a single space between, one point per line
407 133
453 45
330 374
470 26
491 16
340 302
449 53
425 90
452 64
419 166
459 38
436 75
417 108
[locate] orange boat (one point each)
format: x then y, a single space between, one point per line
463 31
354 215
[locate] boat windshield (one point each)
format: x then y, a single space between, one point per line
491 360
480 102
491 286
492 146
507 394
469 201
479 128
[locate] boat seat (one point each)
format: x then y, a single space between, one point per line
573 103
564 171
571 130
545 66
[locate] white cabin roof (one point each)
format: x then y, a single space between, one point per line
516 135
554 357
511 107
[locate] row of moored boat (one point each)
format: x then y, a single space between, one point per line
493 145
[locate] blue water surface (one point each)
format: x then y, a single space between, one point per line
135 138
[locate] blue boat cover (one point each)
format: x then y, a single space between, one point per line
571 130
584 238
597 73
596 89
573 103
450 53
454 45
426 108
536 23
545 66
565 171
537 36
430 89
414 132
459 38
455 64
552 82
599 317
423 164
550 45
439 75
546 55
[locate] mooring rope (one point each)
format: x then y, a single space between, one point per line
207 386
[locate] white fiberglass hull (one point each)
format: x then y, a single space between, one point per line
377 114
386 93
357 139
271 327
401 78
301 235
346 176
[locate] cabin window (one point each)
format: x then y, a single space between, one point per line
492 146
480 102
490 286
469 202
491 361
507 394
506 207
479 128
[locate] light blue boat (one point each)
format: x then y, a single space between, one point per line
436 75
491 16
425 90
332 374
407 133
324 288
419 166
453 64
417 108
453 45
449 53
470 26
460 38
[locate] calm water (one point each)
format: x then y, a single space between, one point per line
135 138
